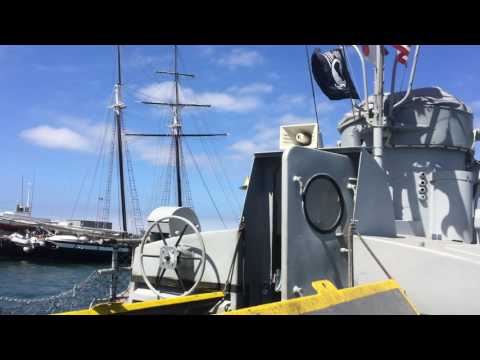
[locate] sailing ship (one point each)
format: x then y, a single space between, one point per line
71 240
94 240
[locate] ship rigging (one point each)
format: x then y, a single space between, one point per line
176 133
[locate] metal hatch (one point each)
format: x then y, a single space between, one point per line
310 251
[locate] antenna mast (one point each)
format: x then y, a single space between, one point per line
28 207
21 195
118 106
176 125
379 113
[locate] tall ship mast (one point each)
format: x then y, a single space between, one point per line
176 132
119 154
118 107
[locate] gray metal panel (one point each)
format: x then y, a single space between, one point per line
351 136
404 167
451 206
429 117
373 204
439 277
256 251
306 254
432 125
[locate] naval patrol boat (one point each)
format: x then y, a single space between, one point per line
384 223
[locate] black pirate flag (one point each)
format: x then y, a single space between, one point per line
331 74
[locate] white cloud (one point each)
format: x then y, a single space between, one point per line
239 57
227 102
138 58
57 138
286 102
83 126
245 147
164 92
80 134
69 133
148 150
266 136
157 152
265 139
273 75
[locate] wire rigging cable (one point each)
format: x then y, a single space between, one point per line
104 160
188 200
105 197
146 67
99 157
215 163
211 157
206 186
217 178
312 86
166 193
219 160
136 215
349 67
160 171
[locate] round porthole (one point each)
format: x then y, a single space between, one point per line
323 203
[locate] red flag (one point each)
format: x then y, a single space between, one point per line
402 53
370 52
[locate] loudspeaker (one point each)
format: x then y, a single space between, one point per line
306 135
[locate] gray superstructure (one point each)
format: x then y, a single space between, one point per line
428 158
432 177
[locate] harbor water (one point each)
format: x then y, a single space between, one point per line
41 287
29 279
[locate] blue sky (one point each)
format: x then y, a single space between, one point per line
54 104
